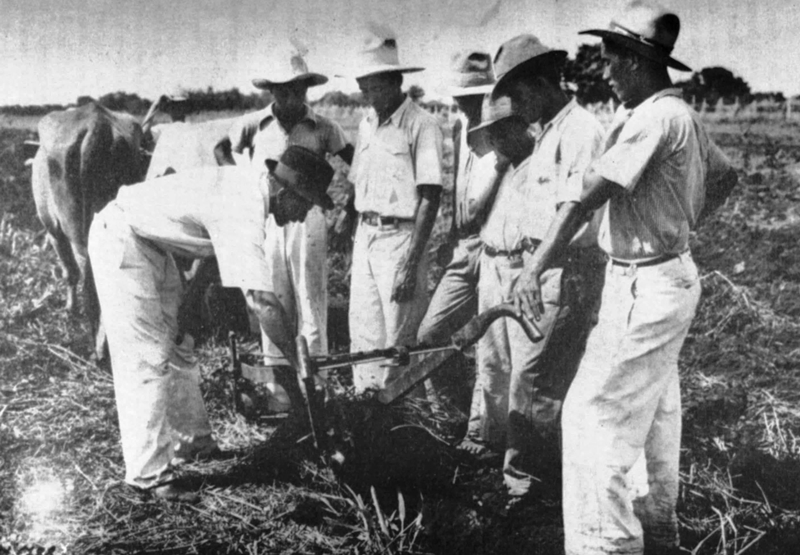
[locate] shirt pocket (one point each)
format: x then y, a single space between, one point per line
394 169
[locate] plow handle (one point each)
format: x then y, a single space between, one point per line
475 328
306 371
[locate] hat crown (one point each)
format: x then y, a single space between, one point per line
496 109
648 23
291 66
519 50
378 51
472 69
305 172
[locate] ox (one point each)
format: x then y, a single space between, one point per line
85 155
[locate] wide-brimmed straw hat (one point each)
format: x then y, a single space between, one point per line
647 29
524 54
380 55
472 74
291 68
305 172
492 111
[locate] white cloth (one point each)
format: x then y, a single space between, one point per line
184 146
375 321
625 399
296 252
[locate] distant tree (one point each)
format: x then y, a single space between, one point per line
768 97
415 93
125 102
84 100
584 75
714 83
338 98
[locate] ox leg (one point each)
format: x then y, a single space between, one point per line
69 267
91 304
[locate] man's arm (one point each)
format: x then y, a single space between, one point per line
147 122
481 205
405 281
567 222
274 321
717 192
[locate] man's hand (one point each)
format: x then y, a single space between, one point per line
405 283
528 294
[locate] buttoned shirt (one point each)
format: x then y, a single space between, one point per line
565 147
263 135
393 158
502 228
660 153
203 212
473 177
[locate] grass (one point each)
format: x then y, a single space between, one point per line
402 487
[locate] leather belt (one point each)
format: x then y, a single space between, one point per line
527 244
652 262
373 218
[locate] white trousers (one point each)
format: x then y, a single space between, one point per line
297 254
156 383
625 400
376 322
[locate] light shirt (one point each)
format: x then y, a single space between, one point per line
474 176
503 227
182 146
565 147
661 154
266 139
204 212
393 158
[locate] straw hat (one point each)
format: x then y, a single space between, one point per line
291 68
522 54
380 55
304 172
472 74
492 111
647 29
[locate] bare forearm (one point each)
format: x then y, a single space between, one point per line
423 223
223 153
568 220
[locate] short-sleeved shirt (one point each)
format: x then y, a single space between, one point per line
263 135
660 153
473 176
503 227
565 147
393 158
204 212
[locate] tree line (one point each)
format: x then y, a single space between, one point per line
583 78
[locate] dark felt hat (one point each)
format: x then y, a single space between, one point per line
306 173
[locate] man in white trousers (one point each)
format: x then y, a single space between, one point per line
132 243
659 174
297 252
397 177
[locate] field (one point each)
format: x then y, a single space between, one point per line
403 488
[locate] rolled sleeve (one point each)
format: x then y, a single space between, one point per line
638 143
427 154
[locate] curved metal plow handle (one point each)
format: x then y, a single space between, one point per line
475 328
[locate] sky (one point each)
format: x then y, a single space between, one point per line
55 51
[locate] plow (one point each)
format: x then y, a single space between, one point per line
409 367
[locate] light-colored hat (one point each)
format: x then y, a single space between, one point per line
306 173
291 68
492 111
380 55
177 94
472 74
646 28
524 53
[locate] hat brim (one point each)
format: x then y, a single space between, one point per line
314 79
478 90
638 47
388 68
547 59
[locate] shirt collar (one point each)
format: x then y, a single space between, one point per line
559 117
670 91
397 117
269 116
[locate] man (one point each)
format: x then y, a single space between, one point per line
659 174
455 300
298 252
199 213
526 382
397 177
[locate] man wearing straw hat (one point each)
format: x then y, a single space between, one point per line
132 244
658 176
526 382
475 180
298 251
397 177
